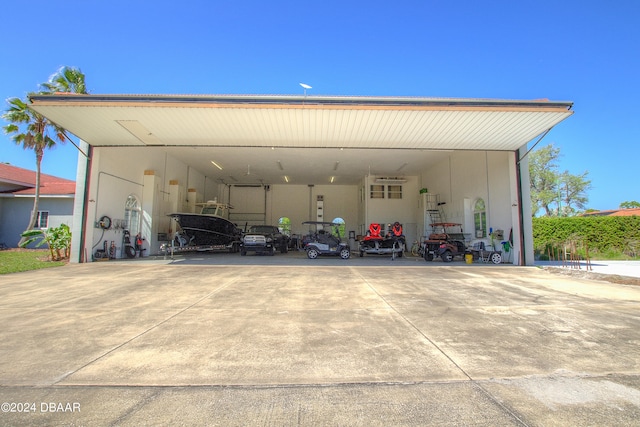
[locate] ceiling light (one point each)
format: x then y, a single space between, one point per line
335 167
280 165
332 178
216 165
286 178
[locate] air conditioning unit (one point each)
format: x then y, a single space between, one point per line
391 180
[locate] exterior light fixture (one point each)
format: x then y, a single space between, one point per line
332 178
286 178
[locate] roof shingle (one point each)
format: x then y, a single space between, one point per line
23 182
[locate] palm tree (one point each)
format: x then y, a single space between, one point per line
34 131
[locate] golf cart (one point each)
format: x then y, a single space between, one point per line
392 243
321 240
446 242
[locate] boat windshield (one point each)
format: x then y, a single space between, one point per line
210 210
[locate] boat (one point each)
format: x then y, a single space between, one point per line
208 230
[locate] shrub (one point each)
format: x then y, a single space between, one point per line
57 238
605 236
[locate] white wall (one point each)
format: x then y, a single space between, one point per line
118 172
467 176
460 179
387 211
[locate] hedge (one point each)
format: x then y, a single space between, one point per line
602 234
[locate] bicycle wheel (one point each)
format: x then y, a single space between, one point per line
415 249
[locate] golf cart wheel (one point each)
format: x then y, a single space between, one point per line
243 252
447 256
361 254
428 256
312 253
345 253
496 258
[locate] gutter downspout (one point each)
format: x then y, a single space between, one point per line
522 255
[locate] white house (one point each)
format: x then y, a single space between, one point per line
361 159
17 190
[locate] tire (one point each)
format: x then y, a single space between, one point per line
345 253
361 254
284 248
243 252
415 250
130 252
496 258
428 256
312 253
272 252
447 256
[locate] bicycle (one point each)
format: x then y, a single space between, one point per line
417 249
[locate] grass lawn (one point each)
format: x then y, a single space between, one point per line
15 260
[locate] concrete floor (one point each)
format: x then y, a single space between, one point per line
205 340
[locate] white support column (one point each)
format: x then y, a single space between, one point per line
175 204
192 199
525 207
149 212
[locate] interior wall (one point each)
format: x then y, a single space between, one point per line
118 172
387 211
298 203
469 175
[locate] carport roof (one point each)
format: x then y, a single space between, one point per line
369 125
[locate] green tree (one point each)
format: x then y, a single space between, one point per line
629 204
557 194
543 166
34 131
573 189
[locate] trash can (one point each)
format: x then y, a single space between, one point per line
352 241
468 258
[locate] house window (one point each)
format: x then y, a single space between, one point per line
132 214
480 218
394 191
340 228
284 225
43 219
377 191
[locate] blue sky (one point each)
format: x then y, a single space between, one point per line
583 51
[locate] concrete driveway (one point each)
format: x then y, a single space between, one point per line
200 341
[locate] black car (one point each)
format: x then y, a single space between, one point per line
264 239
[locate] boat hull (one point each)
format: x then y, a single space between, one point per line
207 230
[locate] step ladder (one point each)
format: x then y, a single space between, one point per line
433 211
